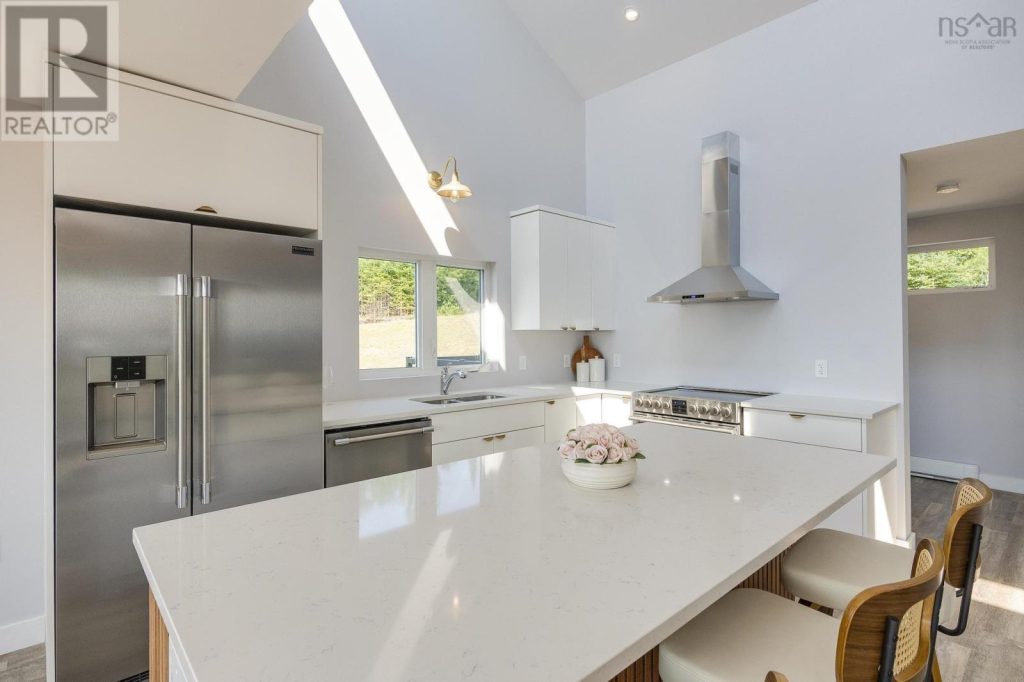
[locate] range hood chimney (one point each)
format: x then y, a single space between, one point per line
720 277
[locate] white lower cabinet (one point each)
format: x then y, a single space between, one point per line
605 408
559 418
486 421
615 409
841 433
468 448
514 440
588 410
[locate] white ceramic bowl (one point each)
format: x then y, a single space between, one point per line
600 476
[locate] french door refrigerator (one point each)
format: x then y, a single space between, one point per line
188 379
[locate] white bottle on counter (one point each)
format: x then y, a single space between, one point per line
582 372
596 369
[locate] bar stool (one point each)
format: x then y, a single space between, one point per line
885 634
828 567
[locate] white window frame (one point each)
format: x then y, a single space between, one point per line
426 313
989 242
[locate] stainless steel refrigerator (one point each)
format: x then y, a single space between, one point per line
188 379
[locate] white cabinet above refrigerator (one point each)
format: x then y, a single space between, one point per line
563 269
183 151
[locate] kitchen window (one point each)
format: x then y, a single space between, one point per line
967 265
417 314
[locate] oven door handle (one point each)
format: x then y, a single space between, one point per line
690 424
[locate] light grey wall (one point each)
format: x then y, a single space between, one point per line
466 78
967 352
825 101
23 425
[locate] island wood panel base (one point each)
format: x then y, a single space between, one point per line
769 578
644 669
159 654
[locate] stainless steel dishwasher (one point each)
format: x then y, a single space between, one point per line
357 453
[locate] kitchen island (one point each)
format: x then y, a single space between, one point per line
491 568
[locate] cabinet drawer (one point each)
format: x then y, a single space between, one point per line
513 440
812 429
456 450
487 421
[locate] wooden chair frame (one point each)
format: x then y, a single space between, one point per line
870 625
869 630
962 547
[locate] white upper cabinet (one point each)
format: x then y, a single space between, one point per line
182 151
563 269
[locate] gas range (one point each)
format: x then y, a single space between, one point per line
712 409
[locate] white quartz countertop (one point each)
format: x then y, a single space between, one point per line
494 568
812 404
366 411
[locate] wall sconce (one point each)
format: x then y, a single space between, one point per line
453 190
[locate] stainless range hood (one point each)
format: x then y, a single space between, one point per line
720 277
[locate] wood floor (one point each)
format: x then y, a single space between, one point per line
992 649
26 665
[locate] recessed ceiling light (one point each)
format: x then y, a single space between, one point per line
947 188
631 14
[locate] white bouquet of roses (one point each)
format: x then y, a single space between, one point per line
599 444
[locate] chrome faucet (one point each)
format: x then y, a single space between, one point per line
447 379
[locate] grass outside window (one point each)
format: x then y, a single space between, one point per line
418 314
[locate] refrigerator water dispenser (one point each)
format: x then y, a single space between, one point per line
127 404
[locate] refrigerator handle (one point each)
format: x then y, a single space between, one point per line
181 349
203 294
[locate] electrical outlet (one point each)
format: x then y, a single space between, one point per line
821 369
565 360
522 362
616 360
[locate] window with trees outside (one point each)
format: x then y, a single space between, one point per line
967 265
419 313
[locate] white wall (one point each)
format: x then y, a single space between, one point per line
825 100
504 110
23 428
966 359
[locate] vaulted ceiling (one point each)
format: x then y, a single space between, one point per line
598 49
213 46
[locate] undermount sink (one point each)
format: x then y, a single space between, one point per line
478 396
437 401
455 399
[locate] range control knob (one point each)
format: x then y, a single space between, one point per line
715 410
703 409
727 411
664 403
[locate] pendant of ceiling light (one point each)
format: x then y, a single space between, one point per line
631 14
453 190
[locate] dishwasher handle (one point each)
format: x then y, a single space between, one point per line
382 436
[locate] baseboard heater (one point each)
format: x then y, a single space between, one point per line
941 469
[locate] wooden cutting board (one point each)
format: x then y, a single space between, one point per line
584 353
